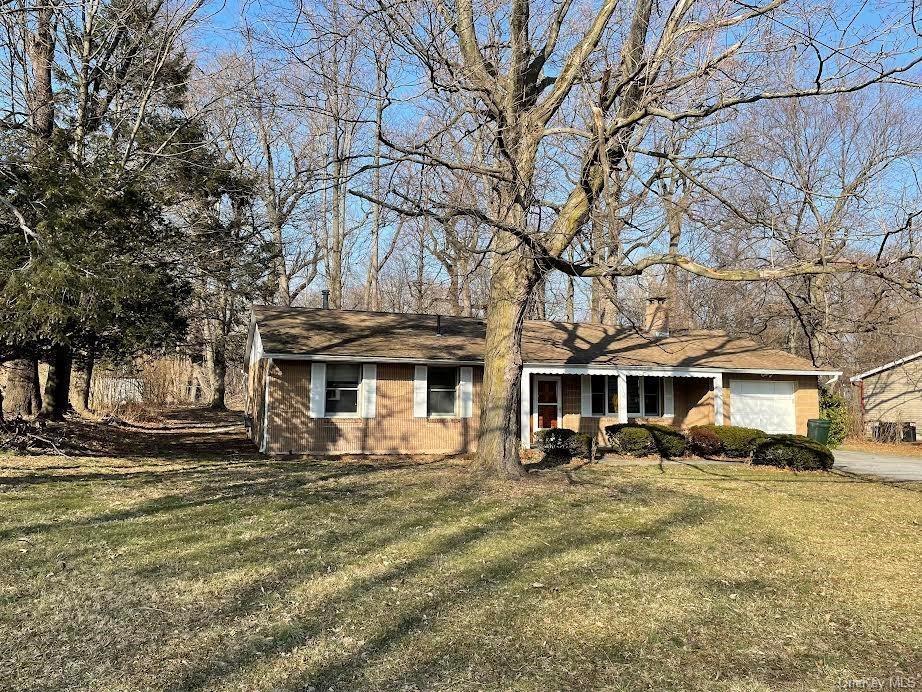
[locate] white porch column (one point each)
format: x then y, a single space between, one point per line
525 419
622 397
718 399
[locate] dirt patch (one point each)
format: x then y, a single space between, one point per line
180 432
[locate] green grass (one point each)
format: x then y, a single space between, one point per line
393 575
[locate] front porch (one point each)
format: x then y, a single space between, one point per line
589 398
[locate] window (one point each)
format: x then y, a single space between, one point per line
442 385
652 396
633 396
604 395
612 394
598 395
645 396
343 389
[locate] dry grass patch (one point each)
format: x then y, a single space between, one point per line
903 449
406 574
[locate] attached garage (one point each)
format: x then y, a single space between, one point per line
765 404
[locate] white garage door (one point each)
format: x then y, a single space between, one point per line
764 404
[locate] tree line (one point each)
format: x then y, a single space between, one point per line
166 165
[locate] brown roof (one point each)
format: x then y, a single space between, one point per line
315 331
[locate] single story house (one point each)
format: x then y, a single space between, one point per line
891 398
344 381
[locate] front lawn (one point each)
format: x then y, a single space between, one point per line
158 573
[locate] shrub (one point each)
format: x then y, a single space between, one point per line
670 442
632 439
704 441
792 452
563 442
834 408
735 442
640 439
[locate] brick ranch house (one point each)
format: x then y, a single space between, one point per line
343 381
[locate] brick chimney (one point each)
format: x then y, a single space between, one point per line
656 316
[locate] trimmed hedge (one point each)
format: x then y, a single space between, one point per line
630 438
670 442
704 442
792 452
641 439
735 442
563 442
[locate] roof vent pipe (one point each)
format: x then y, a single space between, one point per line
325 298
438 325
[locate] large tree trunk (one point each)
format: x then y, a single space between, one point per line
57 386
40 47
539 301
464 278
21 385
372 280
513 279
83 377
36 393
819 318
216 366
335 249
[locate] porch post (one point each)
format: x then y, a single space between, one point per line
525 417
622 397
718 400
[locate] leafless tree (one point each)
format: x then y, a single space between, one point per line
528 73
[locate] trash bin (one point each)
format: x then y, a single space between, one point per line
818 430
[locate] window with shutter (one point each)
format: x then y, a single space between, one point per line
342 390
442 392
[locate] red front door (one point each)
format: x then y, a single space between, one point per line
547 404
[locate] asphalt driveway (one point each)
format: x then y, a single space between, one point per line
892 468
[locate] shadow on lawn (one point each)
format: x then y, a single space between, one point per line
443 543
464 543
314 566
223 482
355 573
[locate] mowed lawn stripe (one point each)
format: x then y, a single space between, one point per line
417 574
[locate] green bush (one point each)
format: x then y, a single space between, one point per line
640 439
735 442
563 442
792 452
670 442
704 442
629 438
834 408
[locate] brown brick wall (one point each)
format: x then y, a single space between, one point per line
393 430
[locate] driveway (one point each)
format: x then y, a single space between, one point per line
892 468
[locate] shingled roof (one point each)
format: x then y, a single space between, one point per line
313 332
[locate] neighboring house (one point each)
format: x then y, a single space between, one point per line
340 381
891 398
